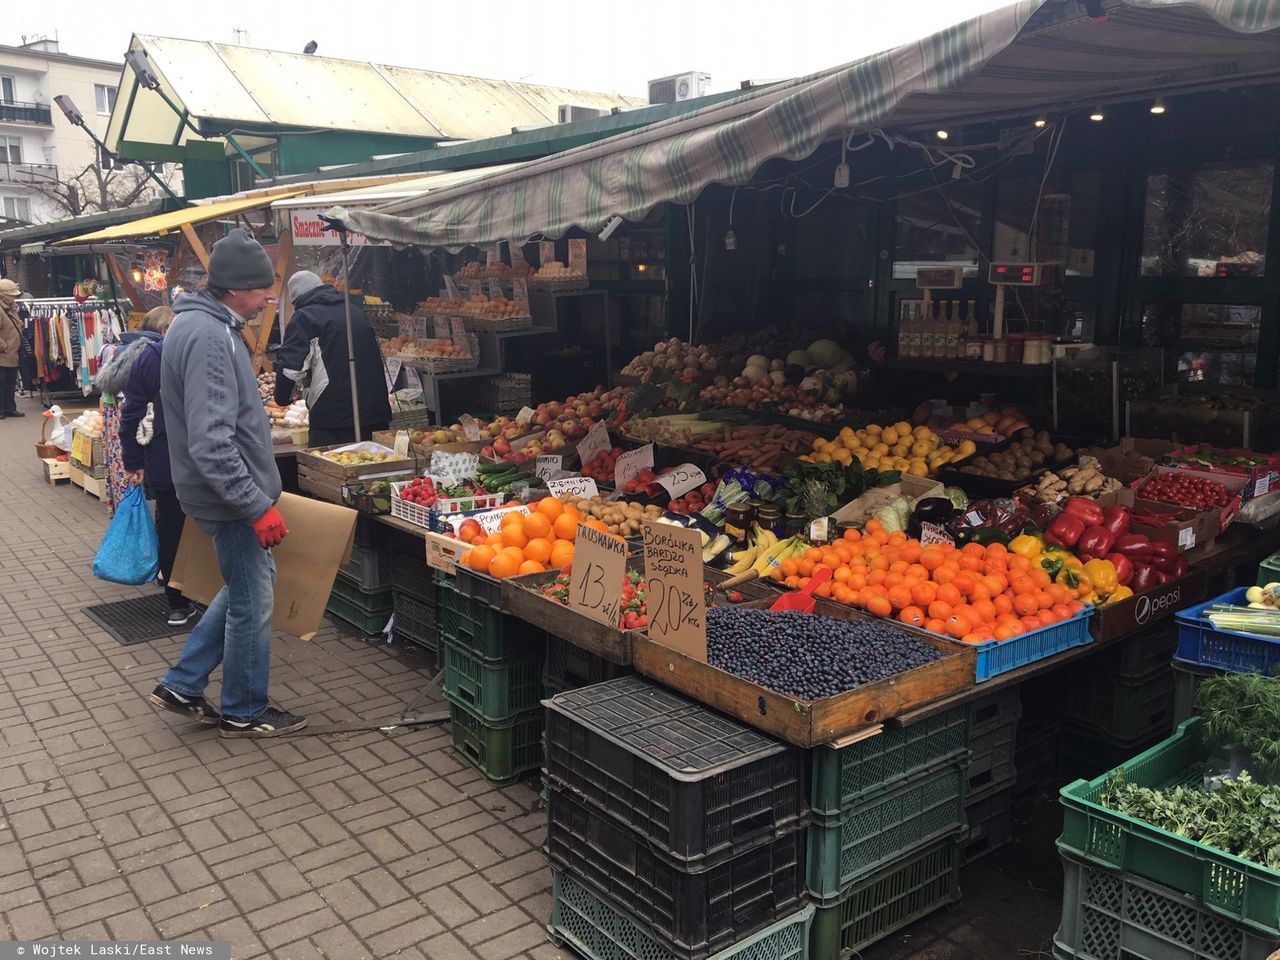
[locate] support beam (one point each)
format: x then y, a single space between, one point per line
125 281
284 255
197 247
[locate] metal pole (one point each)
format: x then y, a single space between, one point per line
351 347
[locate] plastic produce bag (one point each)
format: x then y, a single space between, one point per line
130 550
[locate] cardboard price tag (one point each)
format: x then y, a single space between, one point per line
525 415
472 288
495 289
675 599
391 368
440 328
1186 538
578 257
413 379
680 480
492 256
517 252
451 288
520 293
599 568
573 486
454 466
401 446
597 439
548 465
470 429
491 521
546 252
631 463
934 533
458 327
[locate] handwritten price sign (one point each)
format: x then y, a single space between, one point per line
599 567
631 463
680 480
573 486
597 439
676 602
453 466
548 465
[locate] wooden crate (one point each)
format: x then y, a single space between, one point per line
320 467
55 471
95 486
809 723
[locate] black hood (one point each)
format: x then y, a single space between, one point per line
325 293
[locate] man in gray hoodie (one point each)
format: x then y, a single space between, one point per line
226 479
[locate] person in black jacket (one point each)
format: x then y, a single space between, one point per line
314 354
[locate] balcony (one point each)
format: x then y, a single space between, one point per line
28 172
18 111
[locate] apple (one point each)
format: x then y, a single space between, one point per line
501 446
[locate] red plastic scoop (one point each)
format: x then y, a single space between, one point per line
802 600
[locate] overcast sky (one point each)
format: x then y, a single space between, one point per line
603 45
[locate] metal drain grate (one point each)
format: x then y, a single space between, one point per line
138 620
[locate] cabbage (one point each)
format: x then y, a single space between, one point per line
799 358
957 497
758 360
888 518
776 365
824 353
755 374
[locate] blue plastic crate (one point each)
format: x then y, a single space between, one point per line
1201 644
1000 656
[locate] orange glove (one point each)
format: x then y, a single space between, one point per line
270 528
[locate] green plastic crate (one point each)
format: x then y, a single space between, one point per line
1112 914
1269 570
898 895
501 752
367 612
496 692
884 828
371 601
840 778
485 631
1228 885
598 929
1186 684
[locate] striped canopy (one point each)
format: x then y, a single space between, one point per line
1030 56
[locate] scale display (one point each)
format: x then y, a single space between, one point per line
939 278
1020 274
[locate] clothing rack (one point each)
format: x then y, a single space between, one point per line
43 309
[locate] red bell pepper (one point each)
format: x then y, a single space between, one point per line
1163 551
1064 531
1145 577
1096 542
1116 519
1135 546
1124 567
1085 510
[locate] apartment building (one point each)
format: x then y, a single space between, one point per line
38 146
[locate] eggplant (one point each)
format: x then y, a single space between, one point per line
937 510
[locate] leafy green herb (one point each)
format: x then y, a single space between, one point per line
1244 709
825 487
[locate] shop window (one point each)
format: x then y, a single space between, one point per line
1065 221
937 228
1207 221
1205 343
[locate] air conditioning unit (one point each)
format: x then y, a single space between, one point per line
682 86
571 113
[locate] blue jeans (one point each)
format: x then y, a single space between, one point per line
236 629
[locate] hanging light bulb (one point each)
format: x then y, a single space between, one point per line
1158 107
730 240
1041 122
942 134
1097 116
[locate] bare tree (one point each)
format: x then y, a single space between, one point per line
95 190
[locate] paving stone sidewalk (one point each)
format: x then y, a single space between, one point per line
118 822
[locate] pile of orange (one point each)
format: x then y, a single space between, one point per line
975 593
535 542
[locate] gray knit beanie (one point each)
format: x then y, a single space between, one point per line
302 282
238 262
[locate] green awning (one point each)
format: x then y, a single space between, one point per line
1029 56
41 233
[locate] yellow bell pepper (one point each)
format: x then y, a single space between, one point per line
1119 593
1025 545
1102 574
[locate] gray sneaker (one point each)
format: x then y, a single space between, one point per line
270 723
195 708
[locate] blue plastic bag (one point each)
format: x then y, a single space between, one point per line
130 550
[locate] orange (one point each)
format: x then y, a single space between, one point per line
813 554
974 550
1062 611
1043 599
1025 604
841 594
550 508
946 573
503 566
931 558
1041 578
536 525
595 524
899 566
985 610
893 579
477 558
949 593
880 606
513 516
900 596
538 549
939 610
964 582
911 551
515 553
996 550
957 625
935 625
1003 603
1005 632
824 590
493 540
912 615
1032 622
791 581
561 553
970 562
804 567
917 572
566 525
1023 583
1047 618
924 593
852 535
513 535
995 584
788 567
531 566
1075 605
842 574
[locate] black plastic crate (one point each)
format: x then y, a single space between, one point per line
1084 754
479 586
990 824
1035 757
1118 707
991 757
415 621
995 710
692 783
695 912
369 568
369 532
1186 684
411 575
568 667
1139 654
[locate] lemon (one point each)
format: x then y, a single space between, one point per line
850 442
903 428
822 458
902 448
921 448
873 428
818 442
902 464
880 449
889 436
918 469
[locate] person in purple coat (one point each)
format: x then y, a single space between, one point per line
145 451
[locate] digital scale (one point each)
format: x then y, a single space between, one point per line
1001 275
930 279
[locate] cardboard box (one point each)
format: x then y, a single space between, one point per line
443 552
1185 529
307 561
913 488
1133 457
1143 609
1259 480
1233 482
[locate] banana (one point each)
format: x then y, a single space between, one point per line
716 547
770 558
743 559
